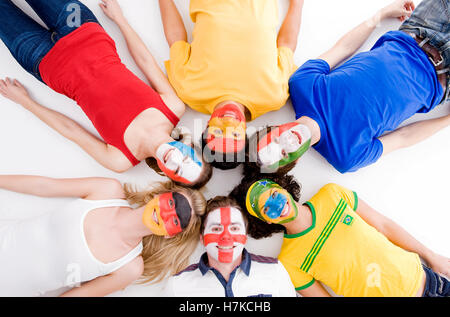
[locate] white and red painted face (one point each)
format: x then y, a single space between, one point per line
225 234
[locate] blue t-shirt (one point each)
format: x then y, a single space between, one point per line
370 94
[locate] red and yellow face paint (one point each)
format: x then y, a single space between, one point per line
225 234
226 130
167 214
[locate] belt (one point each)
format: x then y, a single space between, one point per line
436 59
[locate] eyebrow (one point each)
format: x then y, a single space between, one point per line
219 224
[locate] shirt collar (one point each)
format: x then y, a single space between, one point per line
245 263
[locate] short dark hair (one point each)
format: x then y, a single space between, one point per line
257 228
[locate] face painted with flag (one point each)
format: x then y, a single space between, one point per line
271 203
179 162
225 234
283 145
226 130
167 214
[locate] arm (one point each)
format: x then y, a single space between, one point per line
315 290
105 154
402 238
138 50
413 133
86 188
353 40
174 28
105 285
289 31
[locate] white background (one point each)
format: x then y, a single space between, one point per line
410 186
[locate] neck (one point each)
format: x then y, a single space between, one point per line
151 146
131 227
224 268
313 127
301 223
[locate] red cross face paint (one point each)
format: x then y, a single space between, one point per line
226 130
225 234
167 214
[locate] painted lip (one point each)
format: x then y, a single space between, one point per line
155 218
229 114
226 248
299 137
286 210
167 155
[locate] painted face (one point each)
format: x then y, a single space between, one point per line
225 234
269 202
283 145
179 162
167 214
226 130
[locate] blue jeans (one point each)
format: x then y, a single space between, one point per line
27 40
431 20
436 284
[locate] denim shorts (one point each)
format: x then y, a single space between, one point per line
436 284
431 21
27 40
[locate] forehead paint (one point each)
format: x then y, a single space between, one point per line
225 234
259 197
186 150
292 138
179 162
167 214
226 130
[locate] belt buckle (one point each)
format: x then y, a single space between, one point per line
436 64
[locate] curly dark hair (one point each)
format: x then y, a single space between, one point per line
257 228
253 166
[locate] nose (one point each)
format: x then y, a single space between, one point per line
276 206
226 235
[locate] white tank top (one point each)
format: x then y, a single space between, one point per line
50 252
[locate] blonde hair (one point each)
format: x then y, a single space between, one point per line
168 256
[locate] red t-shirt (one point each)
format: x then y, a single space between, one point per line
85 67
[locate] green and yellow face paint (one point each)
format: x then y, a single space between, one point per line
270 202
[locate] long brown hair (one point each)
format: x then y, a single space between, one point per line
168 256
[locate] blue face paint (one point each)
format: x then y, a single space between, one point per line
275 205
186 150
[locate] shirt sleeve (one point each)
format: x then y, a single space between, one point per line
350 197
300 279
180 53
311 68
286 62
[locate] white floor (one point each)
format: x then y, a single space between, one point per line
410 186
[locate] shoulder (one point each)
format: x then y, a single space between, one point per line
310 69
107 188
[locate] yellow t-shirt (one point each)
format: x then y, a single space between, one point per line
233 56
351 257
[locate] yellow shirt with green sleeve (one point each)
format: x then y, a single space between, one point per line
233 56
344 252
